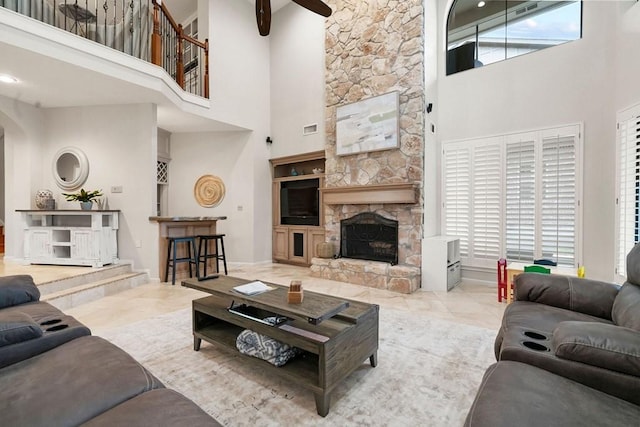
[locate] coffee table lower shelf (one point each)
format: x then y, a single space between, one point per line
321 366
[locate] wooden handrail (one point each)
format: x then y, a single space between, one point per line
166 45
166 12
157 47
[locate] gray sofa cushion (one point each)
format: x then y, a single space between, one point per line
516 394
626 307
518 347
57 328
531 316
158 408
607 346
586 296
18 289
633 265
70 384
542 317
17 327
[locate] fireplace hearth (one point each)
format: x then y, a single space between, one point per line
369 236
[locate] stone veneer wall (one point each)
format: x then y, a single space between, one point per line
374 47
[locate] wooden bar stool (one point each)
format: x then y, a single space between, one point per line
173 259
218 255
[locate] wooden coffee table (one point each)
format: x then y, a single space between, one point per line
336 334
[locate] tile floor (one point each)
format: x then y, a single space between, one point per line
468 303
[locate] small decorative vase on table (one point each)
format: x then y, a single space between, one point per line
86 206
42 199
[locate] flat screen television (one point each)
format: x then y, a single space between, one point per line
299 202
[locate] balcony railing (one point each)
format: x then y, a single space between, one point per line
141 28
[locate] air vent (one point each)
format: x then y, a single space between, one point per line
310 129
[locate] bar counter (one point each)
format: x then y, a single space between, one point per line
181 226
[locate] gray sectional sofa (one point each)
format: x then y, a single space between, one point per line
568 353
53 372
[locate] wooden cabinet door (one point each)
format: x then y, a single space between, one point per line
280 243
37 244
82 245
316 235
298 246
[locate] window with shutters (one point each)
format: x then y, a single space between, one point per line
520 197
627 186
515 196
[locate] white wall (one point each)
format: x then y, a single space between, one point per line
23 139
239 93
239 66
574 82
627 59
2 174
226 155
297 80
120 144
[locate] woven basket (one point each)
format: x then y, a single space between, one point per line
325 250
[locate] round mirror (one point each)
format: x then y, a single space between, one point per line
70 168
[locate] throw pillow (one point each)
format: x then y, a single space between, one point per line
266 348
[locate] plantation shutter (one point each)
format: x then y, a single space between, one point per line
487 201
456 167
520 209
558 193
518 196
628 185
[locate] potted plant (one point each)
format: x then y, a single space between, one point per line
85 198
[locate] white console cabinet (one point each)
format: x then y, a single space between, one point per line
440 263
70 237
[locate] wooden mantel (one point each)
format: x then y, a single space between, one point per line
371 194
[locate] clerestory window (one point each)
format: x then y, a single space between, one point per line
483 32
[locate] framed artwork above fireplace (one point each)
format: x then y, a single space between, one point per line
368 125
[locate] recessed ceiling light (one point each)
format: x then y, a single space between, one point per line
481 4
5 78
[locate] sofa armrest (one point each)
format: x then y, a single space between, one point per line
18 289
603 345
571 293
17 327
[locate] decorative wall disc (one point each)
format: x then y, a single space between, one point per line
209 191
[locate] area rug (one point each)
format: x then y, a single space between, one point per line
428 373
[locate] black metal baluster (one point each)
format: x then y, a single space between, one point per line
65 16
76 23
86 18
105 6
115 33
95 32
124 34
131 30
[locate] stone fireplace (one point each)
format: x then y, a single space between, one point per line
373 48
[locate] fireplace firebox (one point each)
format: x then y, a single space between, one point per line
369 236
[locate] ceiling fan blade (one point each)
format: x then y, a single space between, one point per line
263 16
317 6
